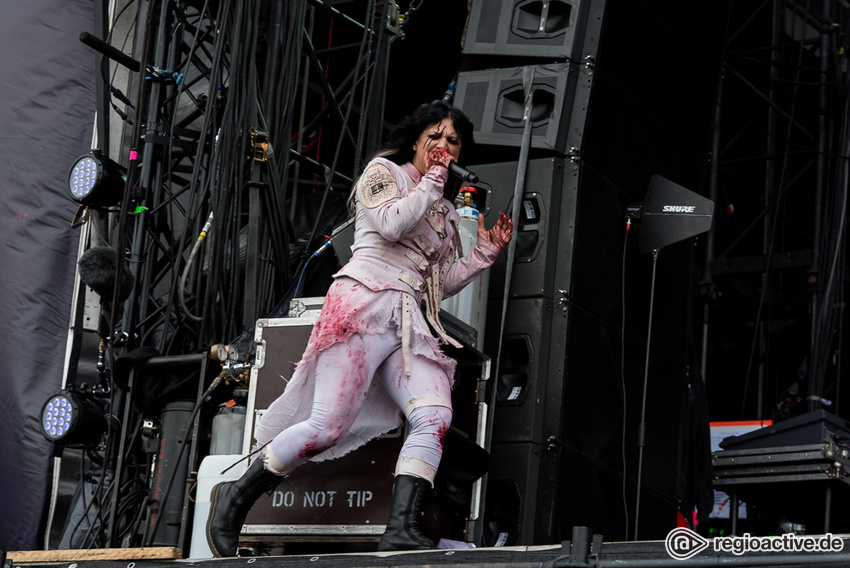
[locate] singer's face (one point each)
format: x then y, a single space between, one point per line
439 135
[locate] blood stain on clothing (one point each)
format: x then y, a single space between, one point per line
310 449
442 429
358 366
398 373
336 323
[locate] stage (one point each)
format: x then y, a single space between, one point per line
595 356
644 554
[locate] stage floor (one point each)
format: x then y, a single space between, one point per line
610 555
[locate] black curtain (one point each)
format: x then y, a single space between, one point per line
46 117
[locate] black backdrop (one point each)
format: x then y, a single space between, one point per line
47 113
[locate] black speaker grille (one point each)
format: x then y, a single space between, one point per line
592 424
527 28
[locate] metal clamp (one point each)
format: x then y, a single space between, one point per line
563 300
393 18
836 470
575 157
259 145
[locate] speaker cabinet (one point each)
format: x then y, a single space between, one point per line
494 99
526 503
595 403
512 504
539 234
521 384
558 429
532 28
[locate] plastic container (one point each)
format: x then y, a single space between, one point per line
470 304
228 425
210 474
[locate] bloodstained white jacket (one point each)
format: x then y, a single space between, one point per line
407 240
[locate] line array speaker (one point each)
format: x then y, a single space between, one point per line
494 99
571 367
539 234
512 493
521 385
565 411
523 27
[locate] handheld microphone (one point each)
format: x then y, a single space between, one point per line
463 173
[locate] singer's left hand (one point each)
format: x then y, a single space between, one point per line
500 234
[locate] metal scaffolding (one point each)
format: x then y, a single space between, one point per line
775 255
217 110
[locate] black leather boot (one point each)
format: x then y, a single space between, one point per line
230 502
410 494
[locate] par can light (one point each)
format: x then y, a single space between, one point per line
95 180
70 418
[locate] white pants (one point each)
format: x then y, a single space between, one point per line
343 375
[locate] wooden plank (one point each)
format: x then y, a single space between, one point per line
147 553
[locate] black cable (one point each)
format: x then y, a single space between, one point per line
623 374
831 248
135 499
132 470
767 284
190 220
236 124
280 118
141 514
207 178
221 177
86 508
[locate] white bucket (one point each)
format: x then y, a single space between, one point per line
209 475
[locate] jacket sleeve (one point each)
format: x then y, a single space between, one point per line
396 216
467 269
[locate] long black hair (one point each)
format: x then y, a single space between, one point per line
398 147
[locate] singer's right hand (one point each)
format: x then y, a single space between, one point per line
440 157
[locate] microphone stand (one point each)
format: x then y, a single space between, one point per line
642 427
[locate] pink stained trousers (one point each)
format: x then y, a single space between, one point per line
343 374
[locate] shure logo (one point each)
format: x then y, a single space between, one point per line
679 208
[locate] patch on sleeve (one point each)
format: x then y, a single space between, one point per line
377 186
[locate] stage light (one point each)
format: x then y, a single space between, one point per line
96 181
70 418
